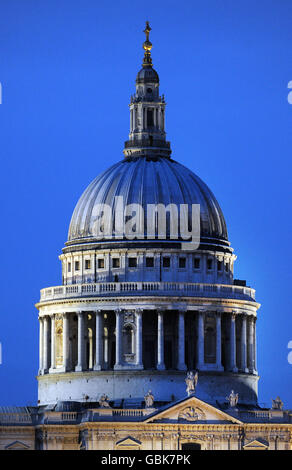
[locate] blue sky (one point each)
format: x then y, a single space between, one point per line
67 70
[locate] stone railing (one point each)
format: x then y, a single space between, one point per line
63 416
121 412
148 288
15 418
147 143
265 415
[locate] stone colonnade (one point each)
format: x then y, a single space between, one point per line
236 341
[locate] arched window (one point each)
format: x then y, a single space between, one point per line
128 335
210 339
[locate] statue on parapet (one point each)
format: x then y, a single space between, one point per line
103 401
277 404
149 399
232 399
191 382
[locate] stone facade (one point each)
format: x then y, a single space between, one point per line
175 426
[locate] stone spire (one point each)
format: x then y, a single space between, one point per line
147 112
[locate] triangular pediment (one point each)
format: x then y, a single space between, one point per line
17 445
256 445
191 410
128 442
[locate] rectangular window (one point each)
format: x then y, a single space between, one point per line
69 267
116 262
87 264
150 120
182 263
196 263
100 263
219 265
77 265
149 262
166 262
226 267
132 262
209 264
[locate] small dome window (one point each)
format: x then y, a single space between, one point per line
209 264
182 263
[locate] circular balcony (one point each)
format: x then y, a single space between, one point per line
119 289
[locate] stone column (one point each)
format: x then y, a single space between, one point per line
160 341
181 340
81 343
139 344
41 346
65 342
232 358
243 345
46 345
251 357
255 344
118 364
201 341
53 352
134 118
98 339
218 342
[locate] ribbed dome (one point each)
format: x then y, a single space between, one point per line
147 75
147 181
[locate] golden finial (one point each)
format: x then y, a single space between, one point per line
147 46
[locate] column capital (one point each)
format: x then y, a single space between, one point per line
160 309
138 311
118 311
182 308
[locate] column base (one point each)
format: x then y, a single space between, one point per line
128 367
53 370
79 368
64 369
97 367
160 366
233 369
182 367
211 367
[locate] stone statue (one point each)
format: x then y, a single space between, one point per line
277 404
191 381
103 401
149 399
232 399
